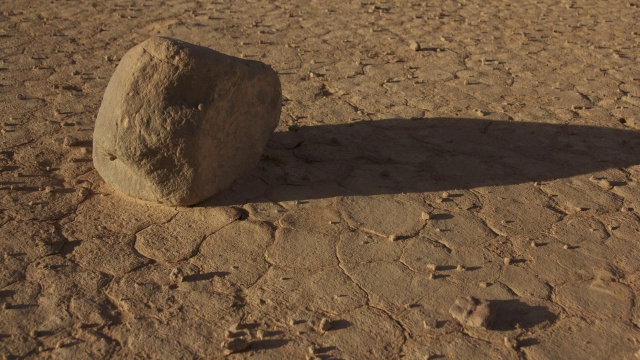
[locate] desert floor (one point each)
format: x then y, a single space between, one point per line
512 134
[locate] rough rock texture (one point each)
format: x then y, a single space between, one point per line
473 312
179 122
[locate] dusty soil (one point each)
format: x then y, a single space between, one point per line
397 181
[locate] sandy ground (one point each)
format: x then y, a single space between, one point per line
512 134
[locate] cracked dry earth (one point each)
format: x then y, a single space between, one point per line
397 181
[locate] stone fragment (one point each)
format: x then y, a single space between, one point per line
180 122
325 325
234 345
473 312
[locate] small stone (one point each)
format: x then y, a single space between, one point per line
426 216
48 189
473 312
483 284
176 276
311 349
445 195
325 325
69 141
566 247
260 334
234 345
234 327
510 343
432 267
393 237
533 244
415 46
184 155
432 276
461 268
506 261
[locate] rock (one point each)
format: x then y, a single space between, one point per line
473 312
234 345
179 122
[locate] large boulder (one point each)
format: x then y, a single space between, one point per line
180 122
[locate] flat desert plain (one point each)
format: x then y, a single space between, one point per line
427 150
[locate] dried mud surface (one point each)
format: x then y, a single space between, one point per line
500 161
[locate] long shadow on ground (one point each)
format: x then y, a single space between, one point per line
438 154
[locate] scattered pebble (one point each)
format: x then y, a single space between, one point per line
483 284
234 345
176 276
393 237
432 276
507 261
510 343
69 141
534 244
461 268
566 247
415 46
260 334
426 216
325 325
473 312
311 349
432 267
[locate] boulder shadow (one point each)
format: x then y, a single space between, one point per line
432 154
512 314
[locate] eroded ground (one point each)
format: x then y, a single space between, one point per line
513 134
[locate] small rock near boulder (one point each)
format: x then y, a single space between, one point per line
179 122
473 312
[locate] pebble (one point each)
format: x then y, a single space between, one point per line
483 284
325 325
176 276
235 345
461 268
473 312
69 141
510 343
566 247
393 237
507 261
432 267
426 216
260 334
415 46
534 244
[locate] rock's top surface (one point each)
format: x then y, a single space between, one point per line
179 122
